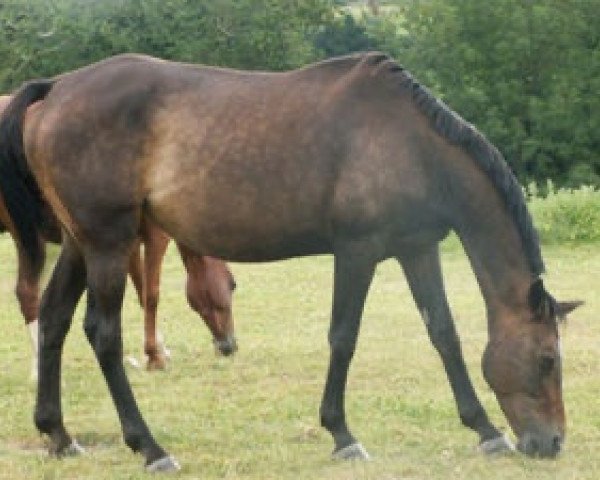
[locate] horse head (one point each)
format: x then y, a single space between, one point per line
522 364
211 296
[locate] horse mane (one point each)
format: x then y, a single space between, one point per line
457 131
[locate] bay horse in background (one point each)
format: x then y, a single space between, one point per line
349 156
209 284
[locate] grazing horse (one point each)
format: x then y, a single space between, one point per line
209 284
209 288
350 156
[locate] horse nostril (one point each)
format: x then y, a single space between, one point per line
533 447
556 444
227 347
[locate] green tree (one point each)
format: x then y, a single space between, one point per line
46 37
526 73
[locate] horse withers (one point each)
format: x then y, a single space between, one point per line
209 284
350 156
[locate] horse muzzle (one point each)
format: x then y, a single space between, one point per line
540 445
226 346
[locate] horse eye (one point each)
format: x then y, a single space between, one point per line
546 365
233 285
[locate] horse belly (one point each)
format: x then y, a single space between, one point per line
241 220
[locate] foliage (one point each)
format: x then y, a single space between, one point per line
566 215
43 38
344 35
526 73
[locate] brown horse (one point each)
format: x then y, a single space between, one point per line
209 285
349 156
209 289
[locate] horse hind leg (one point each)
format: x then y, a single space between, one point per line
106 279
424 275
58 305
155 247
28 294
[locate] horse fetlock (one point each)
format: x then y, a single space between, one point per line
156 361
331 420
47 419
134 441
474 419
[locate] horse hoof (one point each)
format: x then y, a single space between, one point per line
497 445
72 450
157 363
163 465
352 452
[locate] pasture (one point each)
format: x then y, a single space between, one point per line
256 416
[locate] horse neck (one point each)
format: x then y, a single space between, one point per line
494 247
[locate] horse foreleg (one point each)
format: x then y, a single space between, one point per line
424 275
56 313
155 247
106 278
354 268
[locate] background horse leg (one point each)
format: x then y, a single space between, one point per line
136 272
424 275
56 313
106 278
354 267
28 291
155 247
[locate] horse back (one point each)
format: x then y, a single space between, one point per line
241 165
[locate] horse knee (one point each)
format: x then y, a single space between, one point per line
443 337
104 339
342 348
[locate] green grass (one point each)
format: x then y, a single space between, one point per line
256 416
566 215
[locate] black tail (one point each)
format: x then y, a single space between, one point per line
18 187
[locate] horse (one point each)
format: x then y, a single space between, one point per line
350 156
209 285
209 289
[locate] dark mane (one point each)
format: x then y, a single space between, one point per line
459 132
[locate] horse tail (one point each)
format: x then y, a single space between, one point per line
18 187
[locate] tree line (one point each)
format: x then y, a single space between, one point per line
525 72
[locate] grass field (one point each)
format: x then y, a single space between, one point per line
256 416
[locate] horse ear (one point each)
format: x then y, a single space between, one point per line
538 298
564 308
